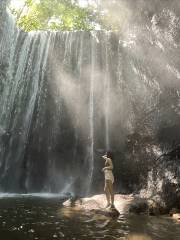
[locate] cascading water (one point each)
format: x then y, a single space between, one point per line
91 110
107 87
66 97
23 82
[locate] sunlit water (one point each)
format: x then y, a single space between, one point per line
43 217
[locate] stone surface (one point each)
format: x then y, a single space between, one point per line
176 216
138 237
123 205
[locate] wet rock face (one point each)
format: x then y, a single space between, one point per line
2 11
163 188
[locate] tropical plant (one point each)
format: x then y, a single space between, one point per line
53 15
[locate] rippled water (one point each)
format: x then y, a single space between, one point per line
35 217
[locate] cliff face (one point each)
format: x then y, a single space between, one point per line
163 188
68 96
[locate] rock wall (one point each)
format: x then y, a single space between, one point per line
66 97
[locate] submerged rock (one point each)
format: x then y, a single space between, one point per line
139 206
108 212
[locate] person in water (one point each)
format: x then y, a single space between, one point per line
109 179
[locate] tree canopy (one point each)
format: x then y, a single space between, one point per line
53 15
64 15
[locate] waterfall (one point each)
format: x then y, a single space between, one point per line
24 79
66 97
91 111
107 91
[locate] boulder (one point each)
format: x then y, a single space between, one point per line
176 216
173 211
163 185
96 205
139 206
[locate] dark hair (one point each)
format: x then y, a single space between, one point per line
109 154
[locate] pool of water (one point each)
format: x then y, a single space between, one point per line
36 217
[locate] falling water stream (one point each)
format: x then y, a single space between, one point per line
107 87
91 109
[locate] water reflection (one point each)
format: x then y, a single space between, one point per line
46 219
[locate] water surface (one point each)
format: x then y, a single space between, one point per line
24 217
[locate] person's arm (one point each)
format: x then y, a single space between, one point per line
110 167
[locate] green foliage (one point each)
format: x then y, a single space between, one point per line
53 15
68 15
